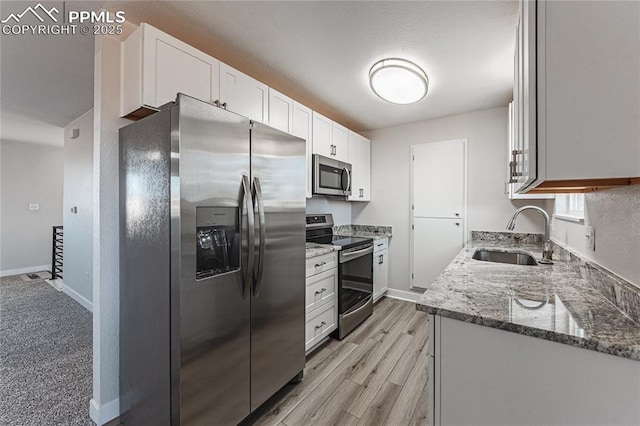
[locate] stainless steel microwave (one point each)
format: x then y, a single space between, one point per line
331 177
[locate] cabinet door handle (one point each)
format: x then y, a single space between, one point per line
380 245
322 290
320 264
361 192
322 324
380 260
513 166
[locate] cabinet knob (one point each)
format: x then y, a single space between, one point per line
216 103
457 223
224 105
457 214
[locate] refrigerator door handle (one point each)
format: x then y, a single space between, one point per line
257 278
248 203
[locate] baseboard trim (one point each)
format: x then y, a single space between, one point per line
102 414
408 296
27 270
77 297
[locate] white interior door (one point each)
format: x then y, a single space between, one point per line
438 206
439 179
436 242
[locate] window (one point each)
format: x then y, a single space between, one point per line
570 207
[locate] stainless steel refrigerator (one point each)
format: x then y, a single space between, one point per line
212 241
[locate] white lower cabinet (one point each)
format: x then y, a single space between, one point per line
485 376
321 306
380 268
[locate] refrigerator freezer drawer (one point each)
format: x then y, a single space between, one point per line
320 323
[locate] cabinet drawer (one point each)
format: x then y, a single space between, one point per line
321 288
318 264
381 244
320 323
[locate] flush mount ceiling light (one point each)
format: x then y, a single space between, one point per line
398 81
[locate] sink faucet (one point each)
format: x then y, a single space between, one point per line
548 251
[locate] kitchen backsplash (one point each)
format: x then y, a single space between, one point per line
506 237
624 295
362 230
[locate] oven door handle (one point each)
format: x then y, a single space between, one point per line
345 257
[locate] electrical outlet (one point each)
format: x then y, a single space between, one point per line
590 235
34 206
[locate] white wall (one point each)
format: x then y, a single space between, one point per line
341 210
615 216
30 173
78 227
489 208
105 403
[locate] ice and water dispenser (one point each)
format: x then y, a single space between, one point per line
217 241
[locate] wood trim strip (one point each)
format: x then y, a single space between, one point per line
582 185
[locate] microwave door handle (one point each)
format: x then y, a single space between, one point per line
248 204
262 235
346 189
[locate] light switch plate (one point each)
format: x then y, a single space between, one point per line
34 206
590 234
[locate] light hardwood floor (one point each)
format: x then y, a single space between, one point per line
375 376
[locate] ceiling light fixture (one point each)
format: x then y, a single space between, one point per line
398 81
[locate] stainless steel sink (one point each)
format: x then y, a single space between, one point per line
503 256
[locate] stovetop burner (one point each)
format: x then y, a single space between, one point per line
320 231
348 242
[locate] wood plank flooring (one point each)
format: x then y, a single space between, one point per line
375 376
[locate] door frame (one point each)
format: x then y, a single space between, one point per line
465 180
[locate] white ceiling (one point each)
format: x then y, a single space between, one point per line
319 53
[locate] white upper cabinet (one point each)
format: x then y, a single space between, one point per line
322 135
330 138
156 66
301 127
340 139
360 159
513 172
281 111
242 94
578 95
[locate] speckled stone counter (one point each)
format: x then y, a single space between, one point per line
313 249
552 302
363 231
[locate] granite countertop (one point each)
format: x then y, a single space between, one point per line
313 249
552 302
363 231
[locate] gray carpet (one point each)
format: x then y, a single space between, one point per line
45 355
